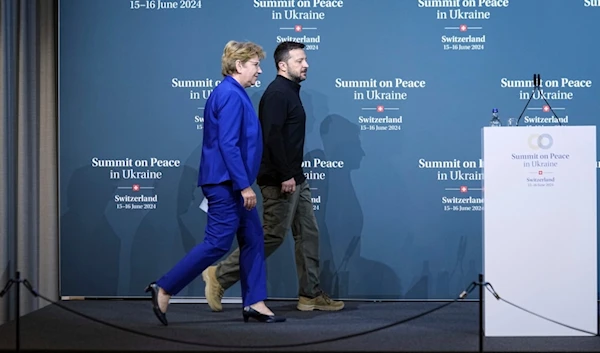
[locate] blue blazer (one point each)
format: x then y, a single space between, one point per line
232 144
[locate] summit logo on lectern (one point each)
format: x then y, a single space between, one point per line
540 141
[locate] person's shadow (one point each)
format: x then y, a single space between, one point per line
89 246
193 220
347 274
161 239
319 186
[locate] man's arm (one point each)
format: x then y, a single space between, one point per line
229 117
273 116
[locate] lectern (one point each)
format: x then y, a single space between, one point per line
539 229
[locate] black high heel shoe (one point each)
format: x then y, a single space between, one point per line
251 313
162 317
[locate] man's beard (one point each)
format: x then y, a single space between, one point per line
298 78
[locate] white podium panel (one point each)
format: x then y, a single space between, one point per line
539 225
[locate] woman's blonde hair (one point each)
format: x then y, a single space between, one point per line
242 51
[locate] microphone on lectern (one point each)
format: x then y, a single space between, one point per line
537 83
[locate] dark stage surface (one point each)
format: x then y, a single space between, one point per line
453 328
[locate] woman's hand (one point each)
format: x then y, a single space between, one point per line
249 198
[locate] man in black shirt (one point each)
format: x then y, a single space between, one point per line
287 202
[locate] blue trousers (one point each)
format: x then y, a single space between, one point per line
227 218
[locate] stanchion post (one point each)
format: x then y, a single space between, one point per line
481 284
17 283
18 306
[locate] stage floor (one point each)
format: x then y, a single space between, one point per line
453 328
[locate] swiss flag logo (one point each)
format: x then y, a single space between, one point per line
298 28
463 28
135 187
380 108
546 109
464 189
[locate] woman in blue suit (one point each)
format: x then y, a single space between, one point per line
231 155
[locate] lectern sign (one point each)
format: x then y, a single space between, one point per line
541 161
540 230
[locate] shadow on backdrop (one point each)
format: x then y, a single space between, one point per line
161 240
349 275
89 246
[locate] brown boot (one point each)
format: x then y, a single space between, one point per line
213 290
322 302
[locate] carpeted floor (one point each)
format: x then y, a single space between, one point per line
453 328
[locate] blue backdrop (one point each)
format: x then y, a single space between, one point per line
397 90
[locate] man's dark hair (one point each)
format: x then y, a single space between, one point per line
282 52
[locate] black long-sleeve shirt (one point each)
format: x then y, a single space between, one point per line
283 122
